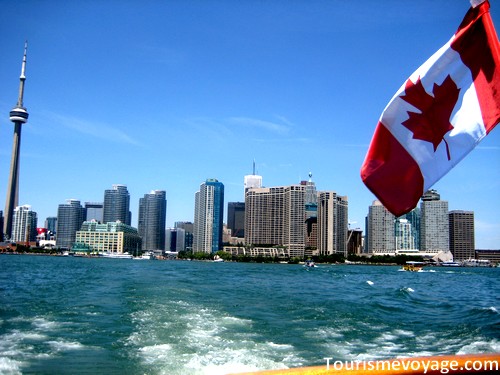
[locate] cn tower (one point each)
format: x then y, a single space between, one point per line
19 116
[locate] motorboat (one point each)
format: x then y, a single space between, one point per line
125 255
146 256
476 263
412 266
309 263
218 259
450 264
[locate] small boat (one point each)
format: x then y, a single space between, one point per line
476 263
450 264
146 256
117 255
412 266
218 259
309 263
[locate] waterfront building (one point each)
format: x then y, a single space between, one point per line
311 233
276 217
462 239
70 217
492 255
95 211
413 218
379 230
434 223
264 216
311 217
208 217
188 233
355 241
175 239
19 116
117 204
51 224
404 236
24 222
333 223
256 251
311 197
236 219
152 220
110 237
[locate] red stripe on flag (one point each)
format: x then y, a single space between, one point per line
391 173
477 43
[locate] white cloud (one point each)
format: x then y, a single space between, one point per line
92 128
266 125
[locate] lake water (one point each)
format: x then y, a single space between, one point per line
70 315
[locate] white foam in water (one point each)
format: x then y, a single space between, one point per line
9 366
16 347
203 341
407 289
62 345
481 346
44 324
279 346
369 282
151 354
402 332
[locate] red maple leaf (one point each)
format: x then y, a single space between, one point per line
433 122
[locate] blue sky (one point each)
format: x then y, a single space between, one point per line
165 94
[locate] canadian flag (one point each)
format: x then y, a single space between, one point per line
438 116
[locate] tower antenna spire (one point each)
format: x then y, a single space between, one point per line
22 78
254 167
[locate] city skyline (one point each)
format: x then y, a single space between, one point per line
199 90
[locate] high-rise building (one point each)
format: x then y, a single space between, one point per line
434 223
24 222
236 218
188 228
95 211
462 239
152 220
294 225
311 197
333 223
117 205
252 180
404 236
275 216
51 225
379 236
311 212
413 218
264 216
19 116
70 217
175 239
208 217
355 241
